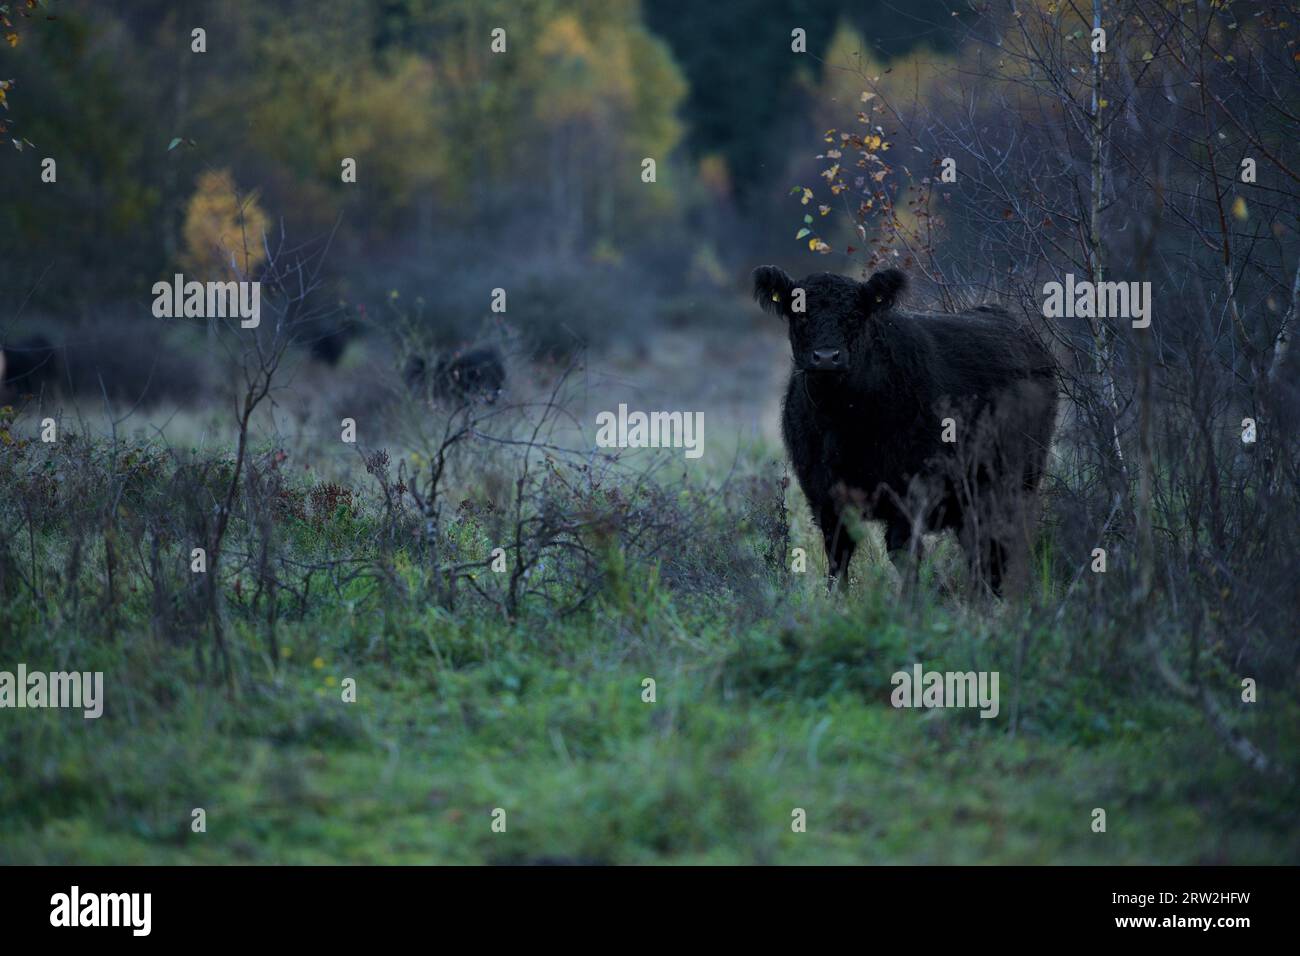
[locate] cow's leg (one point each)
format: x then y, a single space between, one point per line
996 565
987 557
898 542
839 545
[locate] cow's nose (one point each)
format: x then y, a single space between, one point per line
827 358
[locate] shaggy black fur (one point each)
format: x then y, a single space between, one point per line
28 367
864 411
478 375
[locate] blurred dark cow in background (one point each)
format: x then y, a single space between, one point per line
924 421
328 346
477 375
28 367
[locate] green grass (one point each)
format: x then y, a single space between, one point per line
551 727
769 697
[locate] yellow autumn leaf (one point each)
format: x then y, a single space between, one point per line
12 38
1239 209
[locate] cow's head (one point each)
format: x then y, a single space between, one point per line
828 315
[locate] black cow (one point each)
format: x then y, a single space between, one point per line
923 421
28 367
477 375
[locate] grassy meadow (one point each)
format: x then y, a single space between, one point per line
770 693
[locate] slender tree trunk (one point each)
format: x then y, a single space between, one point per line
1101 332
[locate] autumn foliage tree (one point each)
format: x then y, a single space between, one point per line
224 231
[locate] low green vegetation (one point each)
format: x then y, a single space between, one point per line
769 694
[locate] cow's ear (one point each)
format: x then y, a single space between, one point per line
882 289
772 289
